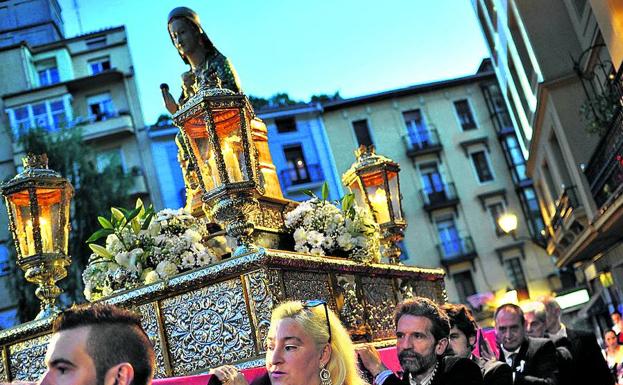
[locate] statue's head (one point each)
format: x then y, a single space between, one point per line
186 32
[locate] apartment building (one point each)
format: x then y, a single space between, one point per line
461 168
559 66
85 82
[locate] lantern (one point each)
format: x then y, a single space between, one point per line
38 202
216 124
374 181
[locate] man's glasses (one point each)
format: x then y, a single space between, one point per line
317 302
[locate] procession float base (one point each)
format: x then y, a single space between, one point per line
220 314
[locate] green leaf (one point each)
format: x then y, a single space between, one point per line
100 234
136 226
139 203
325 191
117 214
130 215
105 223
309 193
101 251
348 201
147 220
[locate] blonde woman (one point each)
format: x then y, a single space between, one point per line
306 344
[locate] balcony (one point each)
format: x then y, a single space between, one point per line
441 196
456 251
297 179
117 123
568 221
422 142
604 171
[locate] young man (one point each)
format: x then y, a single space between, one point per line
533 360
98 345
422 330
462 341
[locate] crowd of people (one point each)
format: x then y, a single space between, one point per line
102 344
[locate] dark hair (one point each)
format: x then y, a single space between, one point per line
461 317
610 331
511 308
615 312
115 336
424 307
194 24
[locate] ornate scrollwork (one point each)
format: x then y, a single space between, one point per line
352 312
303 285
208 327
261 302
431 289
30 355
275 284
150 324
381 302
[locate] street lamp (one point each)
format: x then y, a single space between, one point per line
216 124
374 181
508 223
38 202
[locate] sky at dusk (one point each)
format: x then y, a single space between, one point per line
303 48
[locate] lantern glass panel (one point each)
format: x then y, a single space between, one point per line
357 190
229 133
377 196
199 143
394 193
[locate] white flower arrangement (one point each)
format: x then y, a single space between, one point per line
321 228
143 247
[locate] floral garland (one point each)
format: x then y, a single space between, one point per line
322 228
143 246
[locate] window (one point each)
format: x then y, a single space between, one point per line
464 112
40 114
99 65
496 210
362 132
21 121
416 128
59 118
48 76
297 167
109 158
481 164
464 285
101 106
516 276
516 158
96 42
285 125
450 241
432 183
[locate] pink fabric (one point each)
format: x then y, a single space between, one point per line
388 356
489 337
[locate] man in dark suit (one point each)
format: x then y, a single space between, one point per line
585 352
421 339
461 343
533 360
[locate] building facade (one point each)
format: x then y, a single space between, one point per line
300 149
560 66
84 82
461 168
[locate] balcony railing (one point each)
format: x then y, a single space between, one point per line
456 250
421 142
439 196
564 204
311 173
604 171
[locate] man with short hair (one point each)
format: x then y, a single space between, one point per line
98 344
533 360
535 320
585 352
461 343
421 339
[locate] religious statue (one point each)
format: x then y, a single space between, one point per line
207 65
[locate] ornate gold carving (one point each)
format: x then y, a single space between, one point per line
4 360
30 355
303 286
261 303
275 284
431 289
208 327
351 310
381 302
150 324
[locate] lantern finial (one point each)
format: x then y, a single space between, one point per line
35 161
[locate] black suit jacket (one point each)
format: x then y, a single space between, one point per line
494 372
588 365
539 362
451 371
